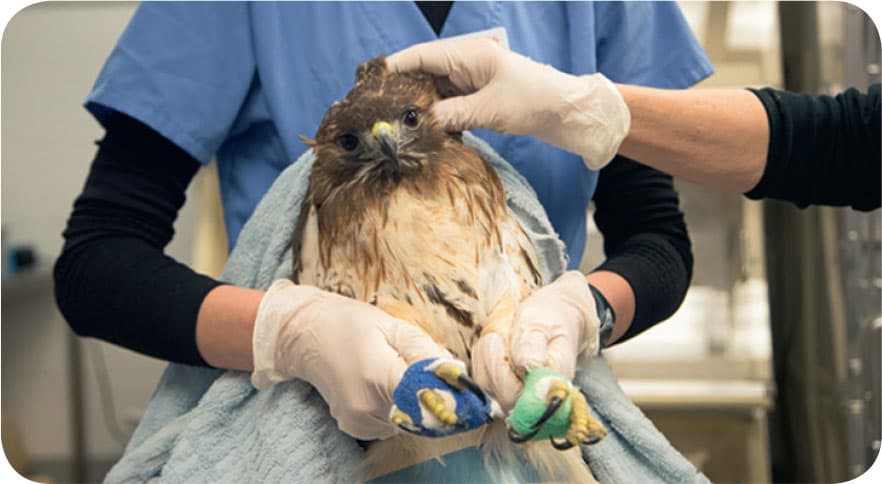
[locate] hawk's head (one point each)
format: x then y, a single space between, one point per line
381 132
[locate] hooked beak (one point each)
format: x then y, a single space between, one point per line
385 136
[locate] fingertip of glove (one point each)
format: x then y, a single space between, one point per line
447 113
596 164
279 284
263 379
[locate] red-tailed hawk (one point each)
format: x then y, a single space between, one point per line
403 215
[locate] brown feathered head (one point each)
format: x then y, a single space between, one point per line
381 132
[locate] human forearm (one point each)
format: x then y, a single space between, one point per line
620 296
713 137
225 325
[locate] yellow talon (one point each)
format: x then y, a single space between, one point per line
583 425
559 389
398 417
434 402
450 373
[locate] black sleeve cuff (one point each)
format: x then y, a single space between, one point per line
658 276
822 150
771 172
123 291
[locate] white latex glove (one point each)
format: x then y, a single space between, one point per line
510 93
557 327
353 353
554 327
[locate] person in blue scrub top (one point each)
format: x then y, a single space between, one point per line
240 82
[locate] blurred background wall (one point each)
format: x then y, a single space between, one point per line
707 377
51 54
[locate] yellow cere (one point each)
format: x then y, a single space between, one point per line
381 126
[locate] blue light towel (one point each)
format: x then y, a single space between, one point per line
206 425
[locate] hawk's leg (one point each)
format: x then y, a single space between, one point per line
436 398
551 407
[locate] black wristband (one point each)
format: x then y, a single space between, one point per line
605 313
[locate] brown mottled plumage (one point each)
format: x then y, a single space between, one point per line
420 228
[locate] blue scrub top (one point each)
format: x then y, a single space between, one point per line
241 81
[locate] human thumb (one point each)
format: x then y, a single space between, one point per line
492 370
412 343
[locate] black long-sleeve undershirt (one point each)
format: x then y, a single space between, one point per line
112 280
435 13
822 150
644 239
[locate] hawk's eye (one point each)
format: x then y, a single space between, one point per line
347 141
410 118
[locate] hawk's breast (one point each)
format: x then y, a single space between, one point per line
440 260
